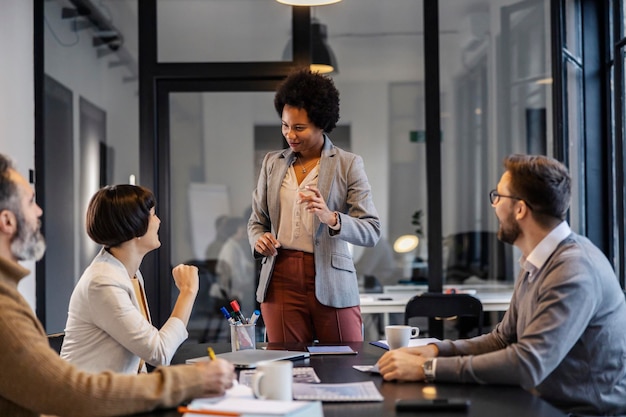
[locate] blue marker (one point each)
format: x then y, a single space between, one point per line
255 316
227 315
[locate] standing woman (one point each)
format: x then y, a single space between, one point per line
311 200
108 325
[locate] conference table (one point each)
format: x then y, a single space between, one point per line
485 401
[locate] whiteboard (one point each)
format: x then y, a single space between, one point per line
206 203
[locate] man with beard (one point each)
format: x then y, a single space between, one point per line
35 379
563 336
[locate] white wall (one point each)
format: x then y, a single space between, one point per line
71 59
17 104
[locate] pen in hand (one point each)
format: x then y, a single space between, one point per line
211 353
212 357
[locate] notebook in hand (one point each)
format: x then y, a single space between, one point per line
250 358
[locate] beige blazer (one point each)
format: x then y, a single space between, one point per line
343 184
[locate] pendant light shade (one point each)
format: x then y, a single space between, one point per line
308 2
322 57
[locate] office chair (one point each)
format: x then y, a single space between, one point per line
438 307
56 341
206 313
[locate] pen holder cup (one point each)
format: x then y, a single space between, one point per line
242 337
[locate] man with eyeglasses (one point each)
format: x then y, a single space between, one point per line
564 334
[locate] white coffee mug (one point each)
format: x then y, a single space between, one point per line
398 336
272 381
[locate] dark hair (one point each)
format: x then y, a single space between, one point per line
118 213
543 182
9 198
313 92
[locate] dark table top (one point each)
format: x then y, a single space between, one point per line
486 401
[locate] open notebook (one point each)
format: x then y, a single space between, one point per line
250 358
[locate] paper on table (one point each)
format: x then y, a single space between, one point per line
367 368
245 406
349 392
412 342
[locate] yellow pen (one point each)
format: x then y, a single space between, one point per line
211 353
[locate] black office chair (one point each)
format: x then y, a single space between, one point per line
438 307
206 321
56 341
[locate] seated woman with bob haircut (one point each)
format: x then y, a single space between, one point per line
108 325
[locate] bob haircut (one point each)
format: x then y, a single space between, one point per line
119 213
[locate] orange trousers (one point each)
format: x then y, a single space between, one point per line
291 311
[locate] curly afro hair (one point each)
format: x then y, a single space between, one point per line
312 92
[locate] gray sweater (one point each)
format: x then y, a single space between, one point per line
564 336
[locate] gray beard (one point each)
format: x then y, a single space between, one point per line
28 244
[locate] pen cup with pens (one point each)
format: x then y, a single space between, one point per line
242 336
242 330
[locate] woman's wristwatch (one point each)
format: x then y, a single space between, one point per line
429 370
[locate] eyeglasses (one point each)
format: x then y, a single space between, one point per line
494 197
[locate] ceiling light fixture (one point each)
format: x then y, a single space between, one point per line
322 57
308 2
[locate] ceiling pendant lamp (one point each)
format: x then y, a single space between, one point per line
322 57
308 2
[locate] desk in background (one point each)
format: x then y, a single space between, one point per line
486 401
393 299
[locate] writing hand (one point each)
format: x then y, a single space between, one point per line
218 375
314 203
267 244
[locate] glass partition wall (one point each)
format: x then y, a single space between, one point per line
215 126
495 100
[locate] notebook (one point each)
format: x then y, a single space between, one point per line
250 358
331 350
